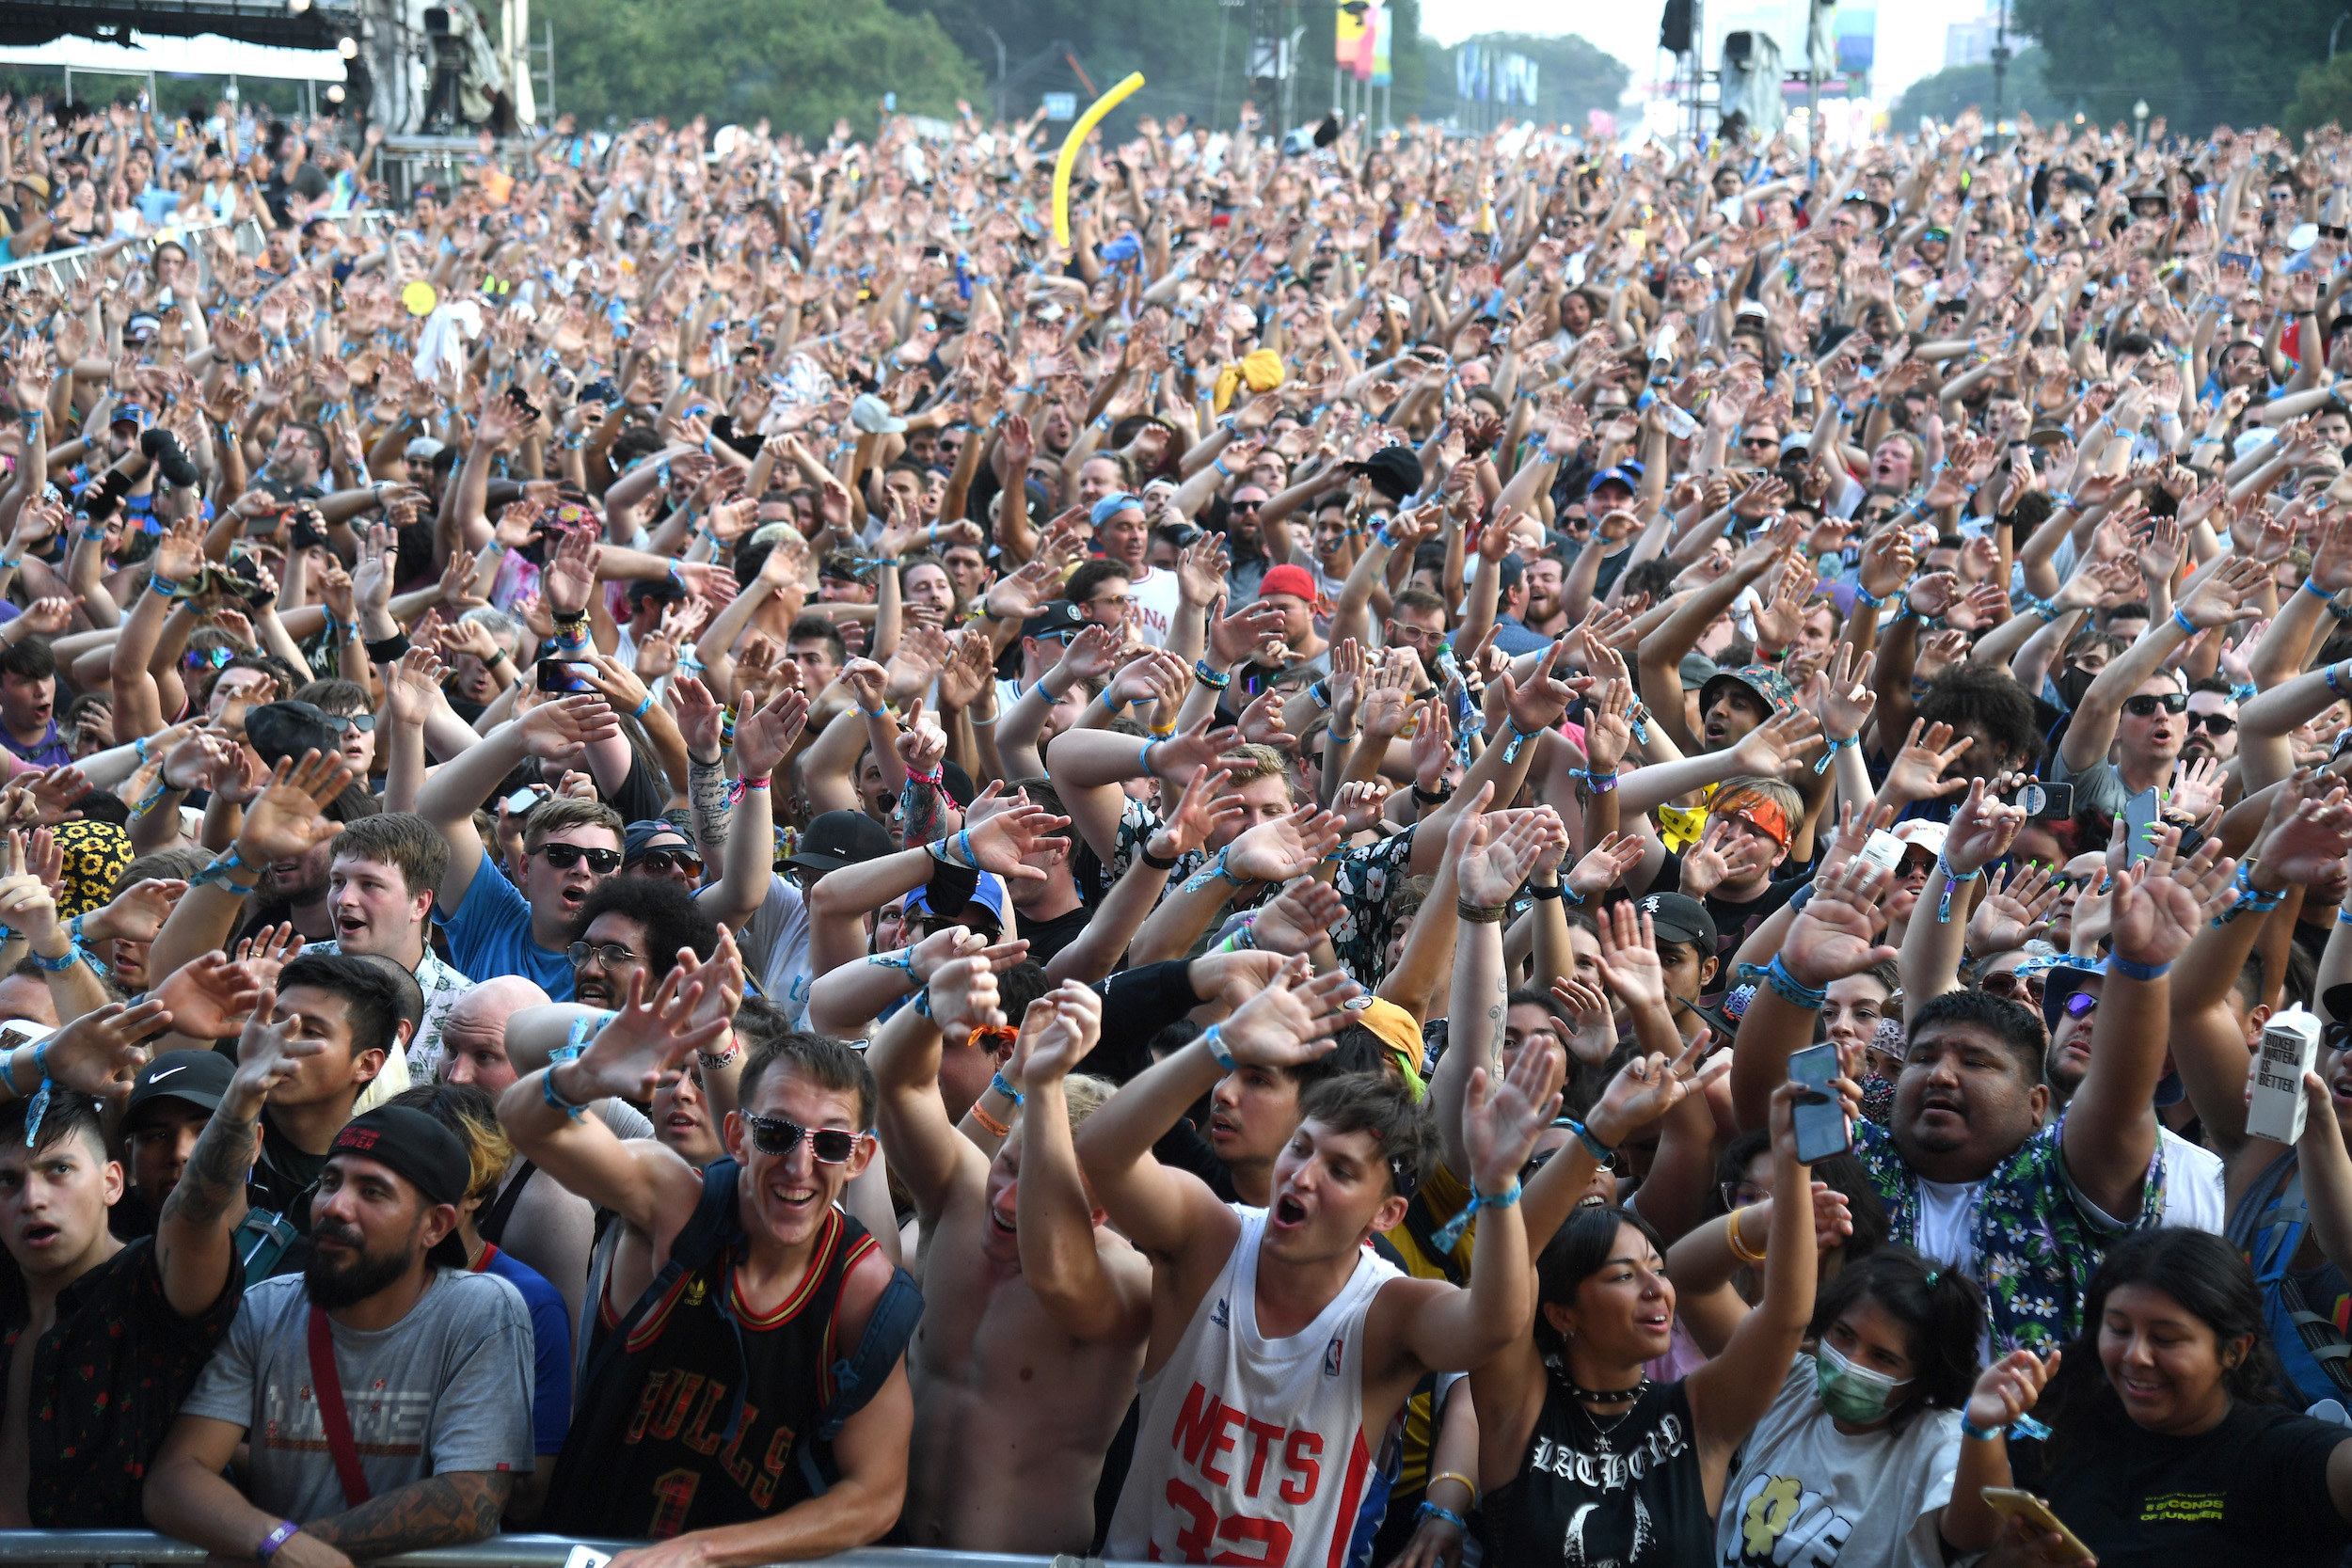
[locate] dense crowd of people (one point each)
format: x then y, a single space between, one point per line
1661 833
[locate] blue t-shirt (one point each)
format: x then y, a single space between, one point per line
551 1349
490 934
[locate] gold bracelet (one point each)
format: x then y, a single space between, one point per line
1454 1475
1739 1247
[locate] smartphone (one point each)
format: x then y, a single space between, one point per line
529 409
2045 800
267 524
2008 1500
2140 820
1821 1130
600 390
559 674
523 800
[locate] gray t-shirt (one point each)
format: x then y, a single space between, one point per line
448 1388
2097 788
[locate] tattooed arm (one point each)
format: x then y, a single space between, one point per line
1477 1008
193 1249
447 1510
706 790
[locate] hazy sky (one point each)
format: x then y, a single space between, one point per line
1910 32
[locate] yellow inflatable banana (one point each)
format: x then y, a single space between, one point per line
1086 122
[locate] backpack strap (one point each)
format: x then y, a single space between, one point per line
492 1226
858 1377
697 1242
1422 1224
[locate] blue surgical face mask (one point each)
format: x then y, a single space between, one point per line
1851 1393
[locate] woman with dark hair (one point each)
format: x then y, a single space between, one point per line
1584 1460
2166 1443
1860 1449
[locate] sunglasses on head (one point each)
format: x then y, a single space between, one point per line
663 862
564 856
2145 705
2214 723
776 1135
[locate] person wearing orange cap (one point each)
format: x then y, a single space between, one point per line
1750 825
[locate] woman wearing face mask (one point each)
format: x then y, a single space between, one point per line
1862 1445
1583 1458
2166 1440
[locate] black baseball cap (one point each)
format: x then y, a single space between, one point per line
1679 917
199 1077
1055 618
421 1150
840 838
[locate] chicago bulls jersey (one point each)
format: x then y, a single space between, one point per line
1251 1449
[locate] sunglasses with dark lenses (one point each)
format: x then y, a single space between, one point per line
2081 1001
2009 984
1243 506
340 722
610 954
564 856
663 862
777 1136
2146 705
1759 440
2212 723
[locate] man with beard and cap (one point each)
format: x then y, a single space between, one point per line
661 848
384 1392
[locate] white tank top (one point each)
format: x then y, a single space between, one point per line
1253 1449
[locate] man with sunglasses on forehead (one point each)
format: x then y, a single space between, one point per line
745 1280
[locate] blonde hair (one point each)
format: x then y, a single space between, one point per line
1084 1095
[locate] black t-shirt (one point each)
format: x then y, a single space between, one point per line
1049 936
2255 1484
1623 1489
1734 921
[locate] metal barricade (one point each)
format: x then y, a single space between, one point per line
66 267
103 1546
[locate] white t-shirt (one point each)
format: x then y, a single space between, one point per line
1805 1495
1156 596
2193 1188
776 948
1947 1212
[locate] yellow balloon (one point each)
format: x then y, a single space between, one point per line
420 298
1086 122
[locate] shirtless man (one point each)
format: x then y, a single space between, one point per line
1288 1454
1023 1275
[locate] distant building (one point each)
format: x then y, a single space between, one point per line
1971 43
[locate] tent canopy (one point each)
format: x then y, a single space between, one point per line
205 54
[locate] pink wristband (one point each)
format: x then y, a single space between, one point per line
285 1531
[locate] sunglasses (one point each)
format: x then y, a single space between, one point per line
339 722
196 659
1759 440
1243 506
2145 707
2008 984
2081 1001
1739 1195
564 856
663 862
776 1135
610 954
2214 723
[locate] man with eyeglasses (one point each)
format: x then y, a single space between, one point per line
497 927
1250 562
746 1281
1123 533
1760 445
632 925
2128 730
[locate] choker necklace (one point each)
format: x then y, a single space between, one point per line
1604 1396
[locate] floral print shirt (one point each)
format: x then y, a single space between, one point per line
2034 1241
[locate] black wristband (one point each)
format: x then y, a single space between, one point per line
1536 890
1155 862
1433 798
387 650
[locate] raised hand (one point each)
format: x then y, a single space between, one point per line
1199 812
1296 919
699 716
414 682
647 1037
1831 938
285 821
1292 1020
964 997
102 1051
1502 1118
2158 906
763 739
1982 829
2013 910
1492 852
1284 848
208 996
1061 1030
1644 1089
553 731
1774 749
1630 964
269 1054
1918 772
1000 842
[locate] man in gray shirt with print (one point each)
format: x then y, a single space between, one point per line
386 1391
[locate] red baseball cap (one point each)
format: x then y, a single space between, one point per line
1289 578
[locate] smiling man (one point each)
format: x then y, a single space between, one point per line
747 1278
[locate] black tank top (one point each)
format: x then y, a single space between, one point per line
1626 1497
651 1455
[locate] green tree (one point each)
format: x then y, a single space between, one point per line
1571 77
1949 92
801 64
2199 63
2322 94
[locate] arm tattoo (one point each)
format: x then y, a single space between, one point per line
215 1173
446 1510
1496 1016
925 818
707 788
